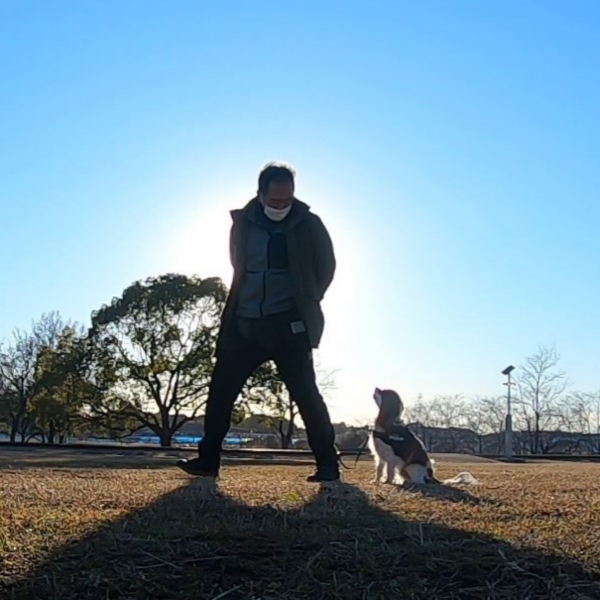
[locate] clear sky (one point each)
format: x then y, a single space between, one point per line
452 148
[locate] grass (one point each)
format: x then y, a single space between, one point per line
94 531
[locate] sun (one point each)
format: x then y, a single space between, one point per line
200 243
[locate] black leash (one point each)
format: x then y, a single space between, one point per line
360 451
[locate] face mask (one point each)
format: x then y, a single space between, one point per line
277 214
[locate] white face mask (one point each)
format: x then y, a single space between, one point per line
277 214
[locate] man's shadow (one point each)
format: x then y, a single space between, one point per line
195 543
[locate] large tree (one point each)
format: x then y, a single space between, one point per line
158 340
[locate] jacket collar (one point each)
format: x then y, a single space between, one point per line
299 211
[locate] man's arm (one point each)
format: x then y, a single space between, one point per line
325 262
231 247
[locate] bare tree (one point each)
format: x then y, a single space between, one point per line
540 384
580 414
422 414
486 416
49 329
450 415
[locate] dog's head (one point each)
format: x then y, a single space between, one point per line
390 406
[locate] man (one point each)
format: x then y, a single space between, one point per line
283 262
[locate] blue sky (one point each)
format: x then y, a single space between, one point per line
452 148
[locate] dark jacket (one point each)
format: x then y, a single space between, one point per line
267 287
311 263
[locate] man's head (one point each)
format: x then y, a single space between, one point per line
276 189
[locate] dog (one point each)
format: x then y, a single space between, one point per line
400 455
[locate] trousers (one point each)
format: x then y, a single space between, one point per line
279 338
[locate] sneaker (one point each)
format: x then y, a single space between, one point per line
324 474
198 468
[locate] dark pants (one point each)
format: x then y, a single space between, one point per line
252 343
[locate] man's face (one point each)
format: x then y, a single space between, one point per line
279 195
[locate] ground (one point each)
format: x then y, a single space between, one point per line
81 526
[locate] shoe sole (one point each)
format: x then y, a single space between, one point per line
197 473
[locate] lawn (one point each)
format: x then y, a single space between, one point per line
110 527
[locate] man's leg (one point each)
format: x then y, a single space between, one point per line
297 371
229 376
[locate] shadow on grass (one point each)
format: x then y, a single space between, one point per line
51 458
446 493
195 543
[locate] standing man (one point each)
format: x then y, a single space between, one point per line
283 263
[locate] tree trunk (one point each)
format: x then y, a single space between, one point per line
286 440
537 435
166 438
500 442
15 427
51 433
20 417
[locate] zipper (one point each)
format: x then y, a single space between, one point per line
262 304
264 298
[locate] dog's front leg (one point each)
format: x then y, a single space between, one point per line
379 472
390 474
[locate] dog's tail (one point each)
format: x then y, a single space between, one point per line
462 478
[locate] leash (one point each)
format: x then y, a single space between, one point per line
360 452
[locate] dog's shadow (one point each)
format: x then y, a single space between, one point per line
441 491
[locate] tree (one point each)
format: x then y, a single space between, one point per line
157 341
17 364
540 385
8 403
475 421
62 386
581 414
17 371
266 391
422 414
449 414
485 415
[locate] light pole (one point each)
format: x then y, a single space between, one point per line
508 427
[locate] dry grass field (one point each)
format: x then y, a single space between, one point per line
77 526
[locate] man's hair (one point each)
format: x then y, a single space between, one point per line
275 171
